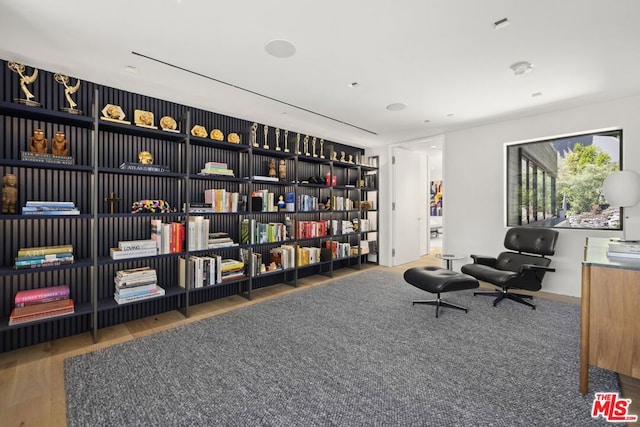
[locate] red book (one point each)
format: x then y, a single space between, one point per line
40 308
68 309
40 294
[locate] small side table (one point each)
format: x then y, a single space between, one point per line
449 258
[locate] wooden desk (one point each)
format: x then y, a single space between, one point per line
610 314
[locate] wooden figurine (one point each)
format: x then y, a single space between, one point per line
38 142
59 145
282 170
272 168
9 193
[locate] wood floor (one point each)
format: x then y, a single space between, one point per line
32 378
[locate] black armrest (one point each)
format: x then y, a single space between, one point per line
484 260
535 268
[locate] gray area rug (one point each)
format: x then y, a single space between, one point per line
353 352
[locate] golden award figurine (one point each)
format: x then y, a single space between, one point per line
253 137
38 142
286 141
334 156
350 158
59 145
9 193
306 145
266 142
19 69
342 154
313 145
278 139
298 144
145 158
217 135
144 119
321 148
169 124
282 170
68 91
114 113
233 138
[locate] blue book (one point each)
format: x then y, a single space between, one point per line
49 204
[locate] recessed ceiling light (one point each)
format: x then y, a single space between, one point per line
535 95
521 67
280 48
131 69
434 146
396 107
354 84
500 24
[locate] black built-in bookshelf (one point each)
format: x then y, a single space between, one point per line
98 148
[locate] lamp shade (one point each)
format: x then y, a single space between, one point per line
622 188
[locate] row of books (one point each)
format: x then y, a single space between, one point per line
50 208
41 303
44 256
168 237
255 232
136 284
208 270
624 249
309 229
223 201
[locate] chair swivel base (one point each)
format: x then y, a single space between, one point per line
500 295
441 303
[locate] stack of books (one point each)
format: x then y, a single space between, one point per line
169 237
231 269
50 208
42 303
136 284
283 256
204 271
44 256
220 240
134 249
624 249
216 168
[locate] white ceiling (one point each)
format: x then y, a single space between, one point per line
439 57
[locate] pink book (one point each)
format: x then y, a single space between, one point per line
40 294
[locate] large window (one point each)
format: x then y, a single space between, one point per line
558 182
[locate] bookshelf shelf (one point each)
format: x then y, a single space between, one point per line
98 147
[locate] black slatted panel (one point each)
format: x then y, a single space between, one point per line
166 269
225 124
127 312
201 155
202 295
114 149
132 188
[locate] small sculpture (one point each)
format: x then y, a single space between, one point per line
282 170
298 144
144 119
114 113
217 135
278 139
266 142
19 69
313 144
281 203
145 158
168 123
322 148
253 138
334 156
342 154
199 131
9 193
286 141
38 142
59 145
68 91
233 138
350 158
272 168
306 145
112 200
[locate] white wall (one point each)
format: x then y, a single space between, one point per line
473 172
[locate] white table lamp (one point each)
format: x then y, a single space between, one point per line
622 189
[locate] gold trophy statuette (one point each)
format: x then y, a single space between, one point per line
266 142
286 141
298 144
321 148
306 145
68 91
145 158
313 144
19 69
253 138
278 139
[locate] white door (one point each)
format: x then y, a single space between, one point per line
407 213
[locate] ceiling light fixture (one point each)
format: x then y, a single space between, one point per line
280 48
427 121
535 95
354 84
521 67
396 107
450 115
500 24
131 69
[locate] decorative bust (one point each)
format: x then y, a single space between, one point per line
282 170
9 193
38 142
59 145
145 158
